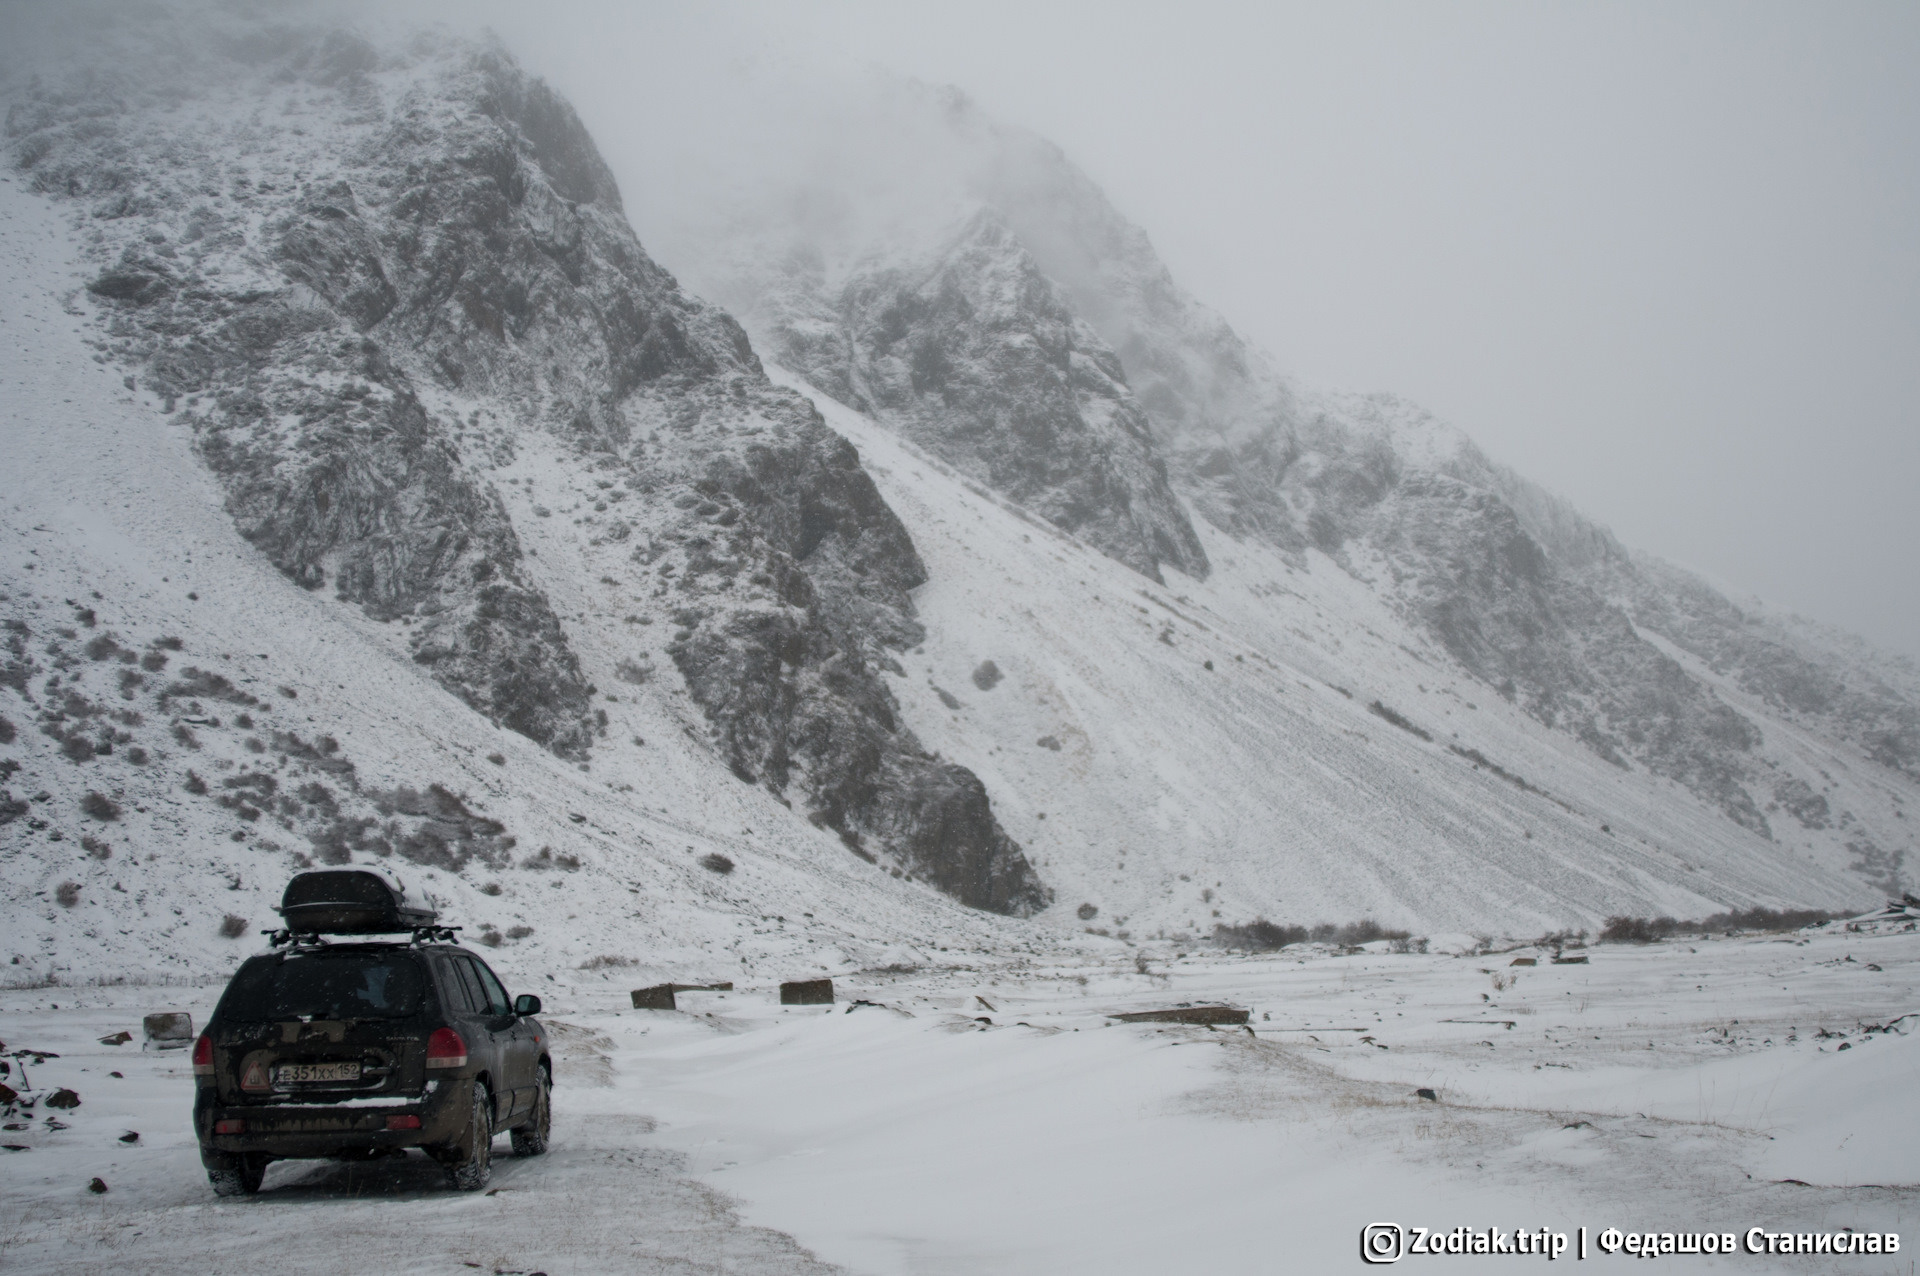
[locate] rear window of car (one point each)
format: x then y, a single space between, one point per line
325 985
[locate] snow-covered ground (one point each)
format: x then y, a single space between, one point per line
995 1120
1207 751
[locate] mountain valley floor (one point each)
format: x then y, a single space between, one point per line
987 1115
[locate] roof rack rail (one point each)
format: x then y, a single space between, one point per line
294 938
436 934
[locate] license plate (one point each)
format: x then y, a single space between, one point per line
307 1073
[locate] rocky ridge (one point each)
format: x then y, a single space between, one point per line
365 277
1620 651
971 352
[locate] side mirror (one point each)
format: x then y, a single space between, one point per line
526 1004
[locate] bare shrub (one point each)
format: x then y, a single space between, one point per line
99 848
546 859
1637 930
1647 930
1261 935
1087 912
100 806
606 962
491 888
489 936
987 676
715 862
1765 919
1382 711
7 731
519 932
232 926
498 759
67 894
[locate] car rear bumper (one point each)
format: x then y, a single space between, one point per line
295 1130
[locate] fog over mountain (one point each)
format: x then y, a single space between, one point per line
1685 304
1536 602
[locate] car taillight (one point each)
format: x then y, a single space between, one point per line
445 1049
234 1126
403 1123
203 1056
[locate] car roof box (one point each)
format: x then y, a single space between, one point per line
351 901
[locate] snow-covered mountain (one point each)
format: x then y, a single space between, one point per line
1541 607
375 495
971 352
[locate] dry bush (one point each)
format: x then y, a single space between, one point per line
100 806
1261 935
1647 930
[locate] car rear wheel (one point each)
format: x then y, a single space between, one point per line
472 1165
241 1175
531 1138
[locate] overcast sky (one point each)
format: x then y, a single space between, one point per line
1661 258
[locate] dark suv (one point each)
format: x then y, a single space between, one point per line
356 1050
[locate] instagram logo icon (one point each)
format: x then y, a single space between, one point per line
1382 1243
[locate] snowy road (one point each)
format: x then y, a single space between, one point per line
992 1120
607 1198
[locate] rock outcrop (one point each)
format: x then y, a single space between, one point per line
973 354
367 278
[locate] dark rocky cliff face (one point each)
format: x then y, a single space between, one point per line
362 277
973 354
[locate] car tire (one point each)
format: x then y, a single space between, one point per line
473 1165
241 1176
531 1138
